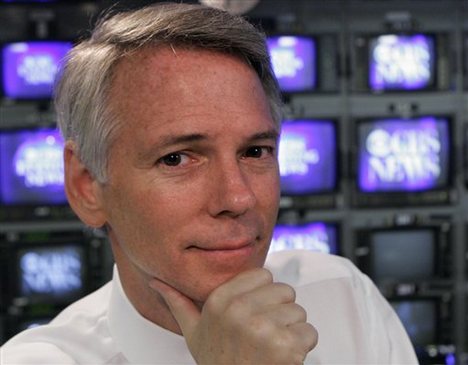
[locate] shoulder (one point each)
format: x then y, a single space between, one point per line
76 331
302 267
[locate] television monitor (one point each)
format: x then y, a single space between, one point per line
294 62
403 156
31 172
402 62
419 317
308 159
49 268
313 236
407 254
428 320
29 68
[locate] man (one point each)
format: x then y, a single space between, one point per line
171 116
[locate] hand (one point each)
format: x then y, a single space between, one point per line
247 320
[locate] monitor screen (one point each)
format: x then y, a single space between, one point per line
402 155
29 68
51 273
315 236
31 167
294 62
308 157
419 317
401 62
402 254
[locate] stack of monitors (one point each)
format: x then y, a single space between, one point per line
312 236
294 62
402 62
29 68
308 160
403 161
31 174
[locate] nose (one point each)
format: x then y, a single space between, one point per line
231 193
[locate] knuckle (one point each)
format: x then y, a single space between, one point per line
265 275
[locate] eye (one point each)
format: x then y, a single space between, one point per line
172 159
257 151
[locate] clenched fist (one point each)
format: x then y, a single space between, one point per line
248 320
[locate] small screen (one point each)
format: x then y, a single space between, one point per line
294 62
401 62
31 164
307 157
53 272
29 68
316 236
403 255
419 317
397 155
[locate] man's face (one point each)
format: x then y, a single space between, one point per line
193 187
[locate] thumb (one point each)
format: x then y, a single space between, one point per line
182 308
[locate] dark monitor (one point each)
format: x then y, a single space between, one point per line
51 273
29 68
397 159
48 268
407 254
402 62
294 61
419 317
313 236
31 173
308 160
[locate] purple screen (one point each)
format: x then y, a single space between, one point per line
31 167
307 157
52 271
29 68
317 236
294 62
401 62
403 155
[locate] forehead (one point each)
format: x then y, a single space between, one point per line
174 88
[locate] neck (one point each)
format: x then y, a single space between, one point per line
149 303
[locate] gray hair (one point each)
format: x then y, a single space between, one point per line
81 93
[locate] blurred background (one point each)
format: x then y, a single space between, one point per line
373 154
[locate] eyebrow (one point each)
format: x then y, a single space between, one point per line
173 140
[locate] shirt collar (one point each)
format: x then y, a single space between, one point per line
142 341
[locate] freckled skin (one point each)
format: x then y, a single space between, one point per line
173 222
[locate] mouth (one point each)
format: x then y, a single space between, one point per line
224 246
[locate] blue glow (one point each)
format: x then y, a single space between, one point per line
318 236
401 62
403 155
293 62
307 156
32 167
30 68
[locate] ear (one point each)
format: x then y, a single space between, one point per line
82 189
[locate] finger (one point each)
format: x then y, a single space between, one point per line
286 314
242 283
182 308
306 335
269 295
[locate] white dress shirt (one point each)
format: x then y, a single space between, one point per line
355 323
